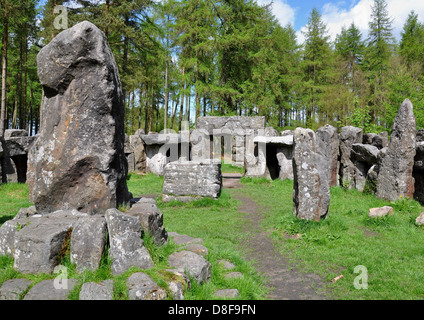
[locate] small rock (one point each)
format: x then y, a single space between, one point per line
142 287
178 284
45 290
197 248
420 220
181 239
13 289
233 275
226 264
380 212
227 293
193 264
97 291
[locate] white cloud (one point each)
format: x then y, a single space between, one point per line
283 12
360 13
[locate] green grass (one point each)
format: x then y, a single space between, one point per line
212 220
388 247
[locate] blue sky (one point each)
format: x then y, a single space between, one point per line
339 13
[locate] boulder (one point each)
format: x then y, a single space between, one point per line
420 219
395 178
330 140
151 218
189 180
364 153
348 136
192 264
97 291
43 241
78 161
126 246
47 290
311 190
142 287
380 212
178 284
88 242
14 289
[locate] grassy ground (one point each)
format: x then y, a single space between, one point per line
389 248
213 221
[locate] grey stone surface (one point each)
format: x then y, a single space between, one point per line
88 242
78 161
40 242
142 287
235 122
8 232
227 265
330 141
14 289
126 246
311 191
286 140
178 284
46 290
200 145
139 152
227 293
380 212
151 218
348 136
233 275
187 181
97 291
285 162
192 264
183 239
395 178
365 153
197 248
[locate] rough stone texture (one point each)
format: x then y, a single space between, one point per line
142 287
311 194
380 212
330 140
233 275
88 241
39 244
285 161
200 145
78 161
139 152
364 156
395 178
178 284
26 213
160 149
227 293
418 172
126 246
186 181
348 136
45 290
192 264
13 289
151 218
183 239
233 123
8 233
197 248
365 153
97 291
420 219
227 265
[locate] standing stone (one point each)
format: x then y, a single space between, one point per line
330 138
348 136
88 241
126 246
78 161
395 178
311 194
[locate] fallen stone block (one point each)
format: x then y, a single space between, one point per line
191 264
14 289
49 290
142 287
97 291
380 212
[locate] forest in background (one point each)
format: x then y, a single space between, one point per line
181 59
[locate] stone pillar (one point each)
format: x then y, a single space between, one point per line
348 136
395 178
311 191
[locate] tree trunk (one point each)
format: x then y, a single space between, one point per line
4 73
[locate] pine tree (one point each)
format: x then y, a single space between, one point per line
411 46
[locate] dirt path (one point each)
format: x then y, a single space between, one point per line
285 283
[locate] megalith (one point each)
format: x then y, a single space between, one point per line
78 161
330 139
311 190
395 178
349 135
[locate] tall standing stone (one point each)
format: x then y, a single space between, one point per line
348 136
311 194
395 178
78 161
330 139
